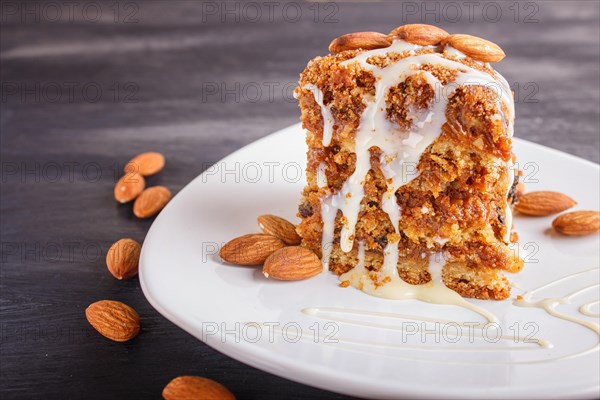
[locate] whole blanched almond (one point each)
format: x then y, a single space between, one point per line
146 164
252 249
114 320
195 388
359 40
421 34
577 223
541 204
475 47
123 257
292 264
151 201
279 227
129 187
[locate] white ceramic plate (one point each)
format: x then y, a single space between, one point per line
360 345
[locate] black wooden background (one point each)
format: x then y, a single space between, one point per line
88 84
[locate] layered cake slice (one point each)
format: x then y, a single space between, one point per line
410 167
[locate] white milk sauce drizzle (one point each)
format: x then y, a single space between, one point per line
325 113
381 320
402 152
549 304
387 284
321 176
586 309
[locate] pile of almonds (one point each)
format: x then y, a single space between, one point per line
422 35
116 320
276 249
545 203
113 319
132 186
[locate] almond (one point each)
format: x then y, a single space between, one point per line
542 204
151 201
122 259
577 223
475 47
114 320
292 264
129 187
421 34
195 388
252 249
279 227
359 40
146 164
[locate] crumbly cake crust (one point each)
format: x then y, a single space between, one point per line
457 202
